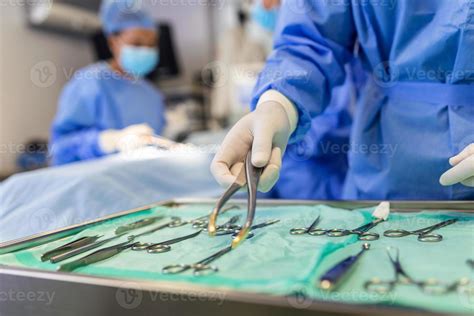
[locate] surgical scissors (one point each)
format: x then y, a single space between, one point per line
201 267
251 234
250 176
311 230
424 234
138 224
430 286
202 221
78 243
229 227
362 231
175 222
164 246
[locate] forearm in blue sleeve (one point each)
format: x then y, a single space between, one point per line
311 49
75 146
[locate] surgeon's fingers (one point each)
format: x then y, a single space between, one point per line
232 151
469 182
263 133
468 151
271 173
461 172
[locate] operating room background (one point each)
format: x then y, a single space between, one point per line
27 106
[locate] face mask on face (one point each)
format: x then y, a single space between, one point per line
138 61
265 18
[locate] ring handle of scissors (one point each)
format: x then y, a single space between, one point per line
378 286
435 287
298 231
204 269
177 222
158 248
249 236
338 232
430 237
201 224
141 246
317 232
176 268
396 233
365 236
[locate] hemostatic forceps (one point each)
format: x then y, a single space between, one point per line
249 176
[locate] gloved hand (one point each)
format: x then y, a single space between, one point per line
127 139
267 131
463 169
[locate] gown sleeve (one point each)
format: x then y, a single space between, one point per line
314 41
75 132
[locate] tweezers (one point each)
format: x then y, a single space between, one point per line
78 243
249 176
138 224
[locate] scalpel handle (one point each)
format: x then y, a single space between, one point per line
333 277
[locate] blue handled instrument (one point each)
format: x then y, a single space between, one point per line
333 277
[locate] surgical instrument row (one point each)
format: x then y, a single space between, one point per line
424 234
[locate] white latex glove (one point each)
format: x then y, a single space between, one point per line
267 131
463 169
127 139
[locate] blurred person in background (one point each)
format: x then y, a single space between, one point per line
108 107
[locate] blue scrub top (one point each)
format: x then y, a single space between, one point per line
98 99
417 109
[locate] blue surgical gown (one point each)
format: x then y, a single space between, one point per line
315 168
416 111
98 99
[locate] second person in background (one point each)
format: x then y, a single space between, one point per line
108 107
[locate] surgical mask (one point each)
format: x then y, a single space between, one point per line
139 61
265 18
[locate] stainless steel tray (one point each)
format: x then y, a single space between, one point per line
75 294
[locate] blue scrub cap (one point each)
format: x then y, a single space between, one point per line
119 15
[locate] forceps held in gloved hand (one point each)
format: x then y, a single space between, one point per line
249 176
424 234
